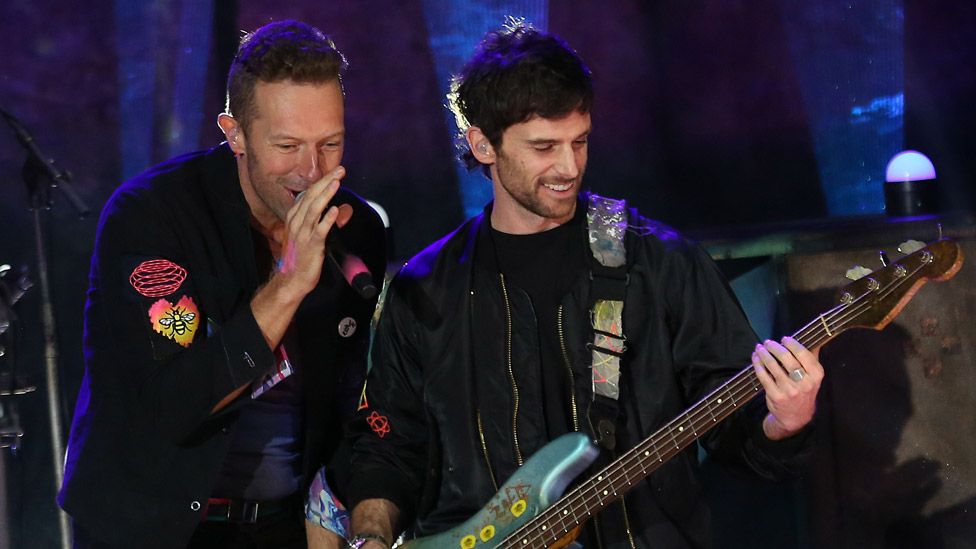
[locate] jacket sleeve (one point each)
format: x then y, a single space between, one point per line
148 337
712 341
389 436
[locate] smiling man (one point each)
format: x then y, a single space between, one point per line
554 311
222 349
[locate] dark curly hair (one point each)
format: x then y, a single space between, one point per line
517 72
284 50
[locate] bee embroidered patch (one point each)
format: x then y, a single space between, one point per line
177 322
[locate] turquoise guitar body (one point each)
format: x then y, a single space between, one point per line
534 487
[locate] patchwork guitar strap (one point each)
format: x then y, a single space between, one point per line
606 220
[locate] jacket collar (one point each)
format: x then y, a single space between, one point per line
481 225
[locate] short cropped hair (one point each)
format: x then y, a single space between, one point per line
277 52
516 73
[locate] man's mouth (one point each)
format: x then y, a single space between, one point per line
560 187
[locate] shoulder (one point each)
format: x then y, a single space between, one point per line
165 201
174 179
435 277
670 259
643 234
651 244
657 234
453 251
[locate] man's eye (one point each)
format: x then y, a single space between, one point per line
332 145
286 147
543 148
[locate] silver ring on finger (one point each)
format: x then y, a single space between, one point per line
797 374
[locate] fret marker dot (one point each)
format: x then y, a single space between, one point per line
544 527
719 401
604 492
680 429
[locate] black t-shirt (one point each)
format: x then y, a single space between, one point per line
546 265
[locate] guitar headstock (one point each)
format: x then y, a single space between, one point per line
875 299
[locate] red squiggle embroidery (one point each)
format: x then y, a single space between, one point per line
157 277
379 424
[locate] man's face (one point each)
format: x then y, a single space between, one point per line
296 136
538 171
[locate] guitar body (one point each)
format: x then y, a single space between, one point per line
534 487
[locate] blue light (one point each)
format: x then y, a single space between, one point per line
454 28
136 35
850 66
152 66
186 116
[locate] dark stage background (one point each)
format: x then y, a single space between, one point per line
720 117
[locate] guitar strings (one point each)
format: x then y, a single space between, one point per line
742 387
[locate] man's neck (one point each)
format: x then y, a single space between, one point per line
524 222
274 236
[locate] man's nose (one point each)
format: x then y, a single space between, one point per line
566 166
310 166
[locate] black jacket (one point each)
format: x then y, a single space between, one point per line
144 448
440 381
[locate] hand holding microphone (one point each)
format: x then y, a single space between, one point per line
353 269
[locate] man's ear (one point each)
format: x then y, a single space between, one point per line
232 131
481 148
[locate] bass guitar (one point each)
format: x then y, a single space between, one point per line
531 511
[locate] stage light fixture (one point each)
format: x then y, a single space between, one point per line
911 187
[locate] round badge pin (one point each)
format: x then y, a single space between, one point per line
347 326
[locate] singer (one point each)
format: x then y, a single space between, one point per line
224 349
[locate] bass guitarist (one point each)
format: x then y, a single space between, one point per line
555 311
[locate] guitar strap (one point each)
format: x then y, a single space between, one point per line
606 220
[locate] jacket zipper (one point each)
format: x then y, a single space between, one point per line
569 368
630 535
484 450
477 415
511 371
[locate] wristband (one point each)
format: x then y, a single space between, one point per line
361 539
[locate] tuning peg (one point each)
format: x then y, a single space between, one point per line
857 272
910 246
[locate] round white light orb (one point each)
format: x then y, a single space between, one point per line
909 166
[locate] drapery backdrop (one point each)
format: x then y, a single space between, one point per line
708 114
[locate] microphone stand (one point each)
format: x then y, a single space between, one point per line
40 175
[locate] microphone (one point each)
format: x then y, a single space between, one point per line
353 268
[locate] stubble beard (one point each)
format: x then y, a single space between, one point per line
263 187
529 197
